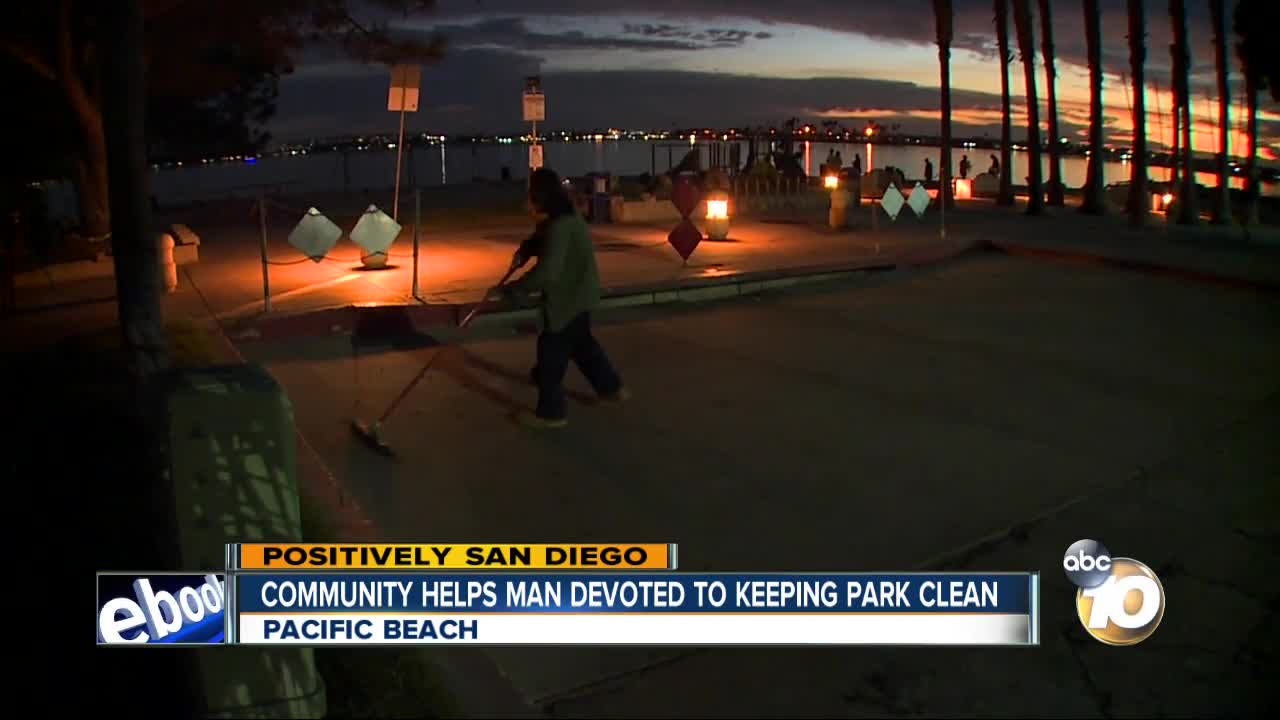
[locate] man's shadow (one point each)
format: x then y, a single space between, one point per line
469 360
389 329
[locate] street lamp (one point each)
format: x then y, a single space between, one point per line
718 215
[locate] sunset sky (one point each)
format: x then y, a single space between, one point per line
665 63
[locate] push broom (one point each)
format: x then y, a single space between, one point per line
372 434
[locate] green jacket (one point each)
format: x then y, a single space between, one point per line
565 273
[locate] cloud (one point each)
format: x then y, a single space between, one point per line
907 23
514 33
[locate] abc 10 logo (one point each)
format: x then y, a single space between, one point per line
1120 601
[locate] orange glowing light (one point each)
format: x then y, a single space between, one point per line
1167 199
831 182
964 189
717 209
869 132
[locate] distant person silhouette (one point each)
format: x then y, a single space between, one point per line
830 164
928 170
995 166
964 166
838 164
857 165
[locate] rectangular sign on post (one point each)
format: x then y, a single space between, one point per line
535 157
406 81
535 107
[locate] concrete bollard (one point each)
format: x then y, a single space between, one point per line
838 216
168 267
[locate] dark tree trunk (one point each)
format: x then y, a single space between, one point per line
1188 212
1055 189
1006 109
92 187
1138 200
943 18
85 103
1095 202
138 279
1027 49
1253 189
1175 155
1222 198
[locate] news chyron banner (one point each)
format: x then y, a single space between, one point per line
622 594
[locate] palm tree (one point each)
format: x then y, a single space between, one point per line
1055 147
1254 49
1027 49
942 14
1188 214
1094 199
1138 163
1222 198
1006 112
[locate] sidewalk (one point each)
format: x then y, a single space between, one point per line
638 266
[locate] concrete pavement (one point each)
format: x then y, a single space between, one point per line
981 414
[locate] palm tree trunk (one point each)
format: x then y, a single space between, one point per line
1027 49
1188 213
943 17
1222 198
1094 198
138 279
1055 189
1252 191
1138 199
1006 111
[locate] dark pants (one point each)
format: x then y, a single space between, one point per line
555 349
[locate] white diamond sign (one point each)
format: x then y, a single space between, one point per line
375 231
315 235
919 200
892 201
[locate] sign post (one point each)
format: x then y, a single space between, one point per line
406 81
535 111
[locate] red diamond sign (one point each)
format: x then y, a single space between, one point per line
685 196
685 238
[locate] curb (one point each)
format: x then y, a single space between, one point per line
441 320
1145 267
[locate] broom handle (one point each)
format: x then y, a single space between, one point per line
426 367
408 388
484 299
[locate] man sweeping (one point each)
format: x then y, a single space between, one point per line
569 283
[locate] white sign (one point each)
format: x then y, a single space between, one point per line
315 235
918 200
892 201
375 231
535 107
406 81
535 157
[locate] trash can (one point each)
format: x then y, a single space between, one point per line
600 208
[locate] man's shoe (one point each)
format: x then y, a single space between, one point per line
532 420
618 396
